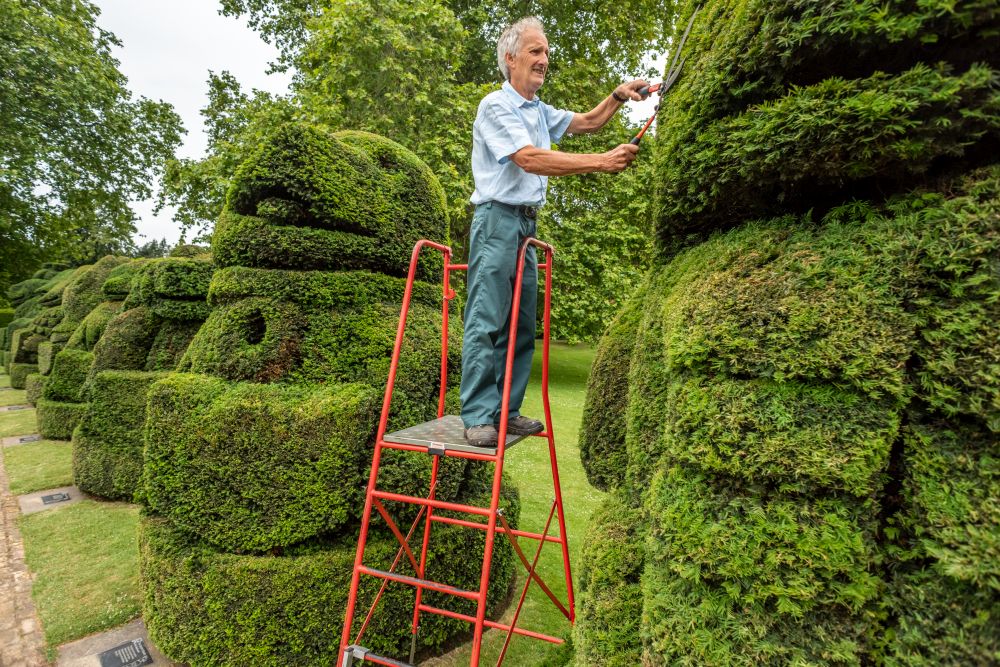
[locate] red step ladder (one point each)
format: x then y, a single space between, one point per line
444 437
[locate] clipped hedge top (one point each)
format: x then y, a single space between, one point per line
119 281
352 184
769 115
57 285
83 293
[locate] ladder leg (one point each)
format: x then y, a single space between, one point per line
561 515
484 578
423 559
352 597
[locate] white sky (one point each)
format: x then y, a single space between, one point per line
168 50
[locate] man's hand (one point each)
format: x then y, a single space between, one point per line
619 158
631 90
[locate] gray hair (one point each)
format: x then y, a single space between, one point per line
510 41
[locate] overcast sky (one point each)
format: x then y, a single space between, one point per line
167 51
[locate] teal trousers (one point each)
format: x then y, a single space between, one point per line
496 235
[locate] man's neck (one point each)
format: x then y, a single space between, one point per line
523 90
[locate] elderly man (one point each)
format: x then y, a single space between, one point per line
511 160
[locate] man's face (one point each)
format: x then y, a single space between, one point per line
528 66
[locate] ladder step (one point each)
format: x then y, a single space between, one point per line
359 653
436 504
443 435
423 583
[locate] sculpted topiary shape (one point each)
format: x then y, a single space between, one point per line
798 415
63 361
257 452
161 303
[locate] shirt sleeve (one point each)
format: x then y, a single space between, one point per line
503 130
558 121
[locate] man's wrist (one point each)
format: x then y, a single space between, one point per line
618 98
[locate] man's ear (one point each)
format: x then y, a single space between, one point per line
509 59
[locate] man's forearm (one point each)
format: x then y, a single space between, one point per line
596 118
543 162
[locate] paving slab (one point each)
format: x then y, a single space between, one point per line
125 646
39 501
20 439
15 408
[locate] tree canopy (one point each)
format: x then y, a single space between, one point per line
75 147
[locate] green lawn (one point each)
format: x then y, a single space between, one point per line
19 422
4 380
46 464
13 396
86 568
528 464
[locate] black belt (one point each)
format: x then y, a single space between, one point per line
530 212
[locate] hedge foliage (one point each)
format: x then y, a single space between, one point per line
57 419
69 372
258 447
809 439
19 374
209 607
333 201
34 385
769 116
108 445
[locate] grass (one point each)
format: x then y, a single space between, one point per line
19 422
528 464
13 397
4 380
46 464
86 568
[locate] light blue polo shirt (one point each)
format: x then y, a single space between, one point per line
506 123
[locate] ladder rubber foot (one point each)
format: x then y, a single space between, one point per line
359 653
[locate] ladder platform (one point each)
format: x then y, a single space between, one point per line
443 434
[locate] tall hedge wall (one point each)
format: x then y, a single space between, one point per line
257 451
803 446
152 310
61 407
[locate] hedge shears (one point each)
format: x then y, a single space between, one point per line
672 73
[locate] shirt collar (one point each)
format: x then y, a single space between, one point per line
516 96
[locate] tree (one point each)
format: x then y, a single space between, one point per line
75 148
152 249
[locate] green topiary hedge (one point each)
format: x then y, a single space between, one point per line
34 385
19 374
107 446
250 467
69 372
610 593
205 606
92 327
153 310
334 201
811 420
57 419
46 354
